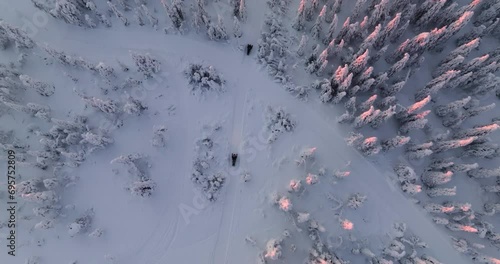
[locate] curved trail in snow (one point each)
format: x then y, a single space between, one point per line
392 199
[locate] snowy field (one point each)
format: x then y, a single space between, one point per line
366 131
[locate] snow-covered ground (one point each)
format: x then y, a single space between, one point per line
179 223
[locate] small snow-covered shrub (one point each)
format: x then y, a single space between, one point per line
143 187
158 139
44 89
204 79
82 223
277 122
356 200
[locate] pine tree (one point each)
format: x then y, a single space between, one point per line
67 11
451 144
242 10
217 31
379 12
478 131
416 121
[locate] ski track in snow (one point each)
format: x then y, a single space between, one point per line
157 249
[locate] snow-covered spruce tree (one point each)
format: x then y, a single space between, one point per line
453 64
463 50
133 106
418 151
482 149
158 139
424 16
434 178
330 36
177 16
117 13
300 19
399 65
489 14
152 19
82 224
317 29
484 173
302 45
477 131
405 173
68 11
388 31
441 146
204 79
359 63
434 192
16 35
277 122
236 28
43 197
443 110
369 146
146 64
436 84
394 142
413 121
383 116
106 106
366 117
97 140
217 31
453 28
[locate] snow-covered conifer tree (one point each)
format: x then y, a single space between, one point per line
300 19
117 13
15 34
397 33
177 16
443 110
142 188
96 139
369 146
436 84
434 192
217 31
146 64
317 29
484 173
434 178
394 142
359 63
42 88
399 65
236 28
331 30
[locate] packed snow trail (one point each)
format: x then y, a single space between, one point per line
107 44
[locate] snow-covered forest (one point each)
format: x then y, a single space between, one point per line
366 131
